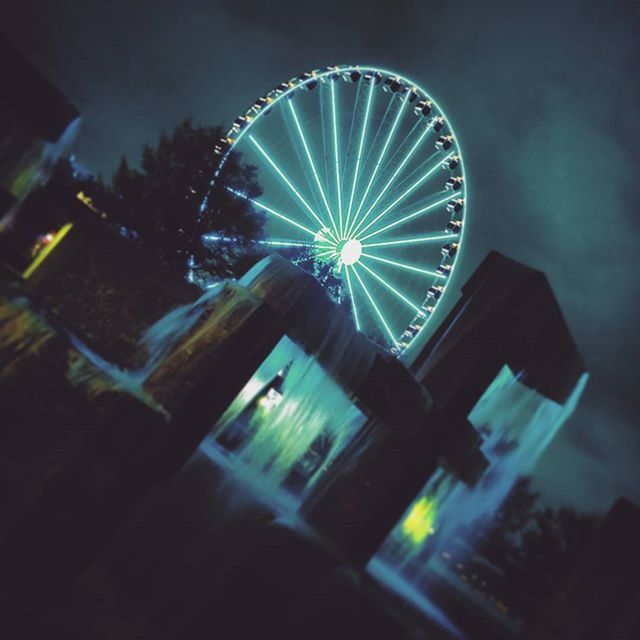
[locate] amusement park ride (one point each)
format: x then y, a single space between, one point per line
360 168
300 400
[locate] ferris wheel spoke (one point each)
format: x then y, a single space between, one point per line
398 151
407 241
352 177
329 253
420 181
292 243
273 212
379 130
312 164
395 174
401 184
363 135
403 265
393 290
336 148
353 300
350 138
408 217
374 306
288 182
380 159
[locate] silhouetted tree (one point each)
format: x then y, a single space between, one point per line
168 206
535 547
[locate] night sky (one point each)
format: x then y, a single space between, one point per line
545 99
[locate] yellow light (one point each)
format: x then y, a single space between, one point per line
420 521
46 251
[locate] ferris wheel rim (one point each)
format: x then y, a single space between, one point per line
299 82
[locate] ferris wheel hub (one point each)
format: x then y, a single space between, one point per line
350 251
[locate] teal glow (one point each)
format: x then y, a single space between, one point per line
375 306
350 252
393 290
334 120
329 253
393 177
279 171
275 213
312 165
402 265
285 243
363 135
406 218
374 173
406 241
404 194
353 300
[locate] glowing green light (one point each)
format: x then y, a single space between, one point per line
353 300
395 174
393 290
312 164
361 145
405 241
407 192
350 252
285 243
406 218
286 180
402 265
375 306
330 253
380 158
420 521
337 153
273 212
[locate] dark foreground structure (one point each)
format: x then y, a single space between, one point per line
229 464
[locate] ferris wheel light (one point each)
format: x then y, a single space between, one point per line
401 265
353 300
354 167
350 252
393 177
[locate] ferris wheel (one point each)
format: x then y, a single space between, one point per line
362 175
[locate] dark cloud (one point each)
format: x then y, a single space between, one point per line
543 95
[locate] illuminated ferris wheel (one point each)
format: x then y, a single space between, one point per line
362 175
